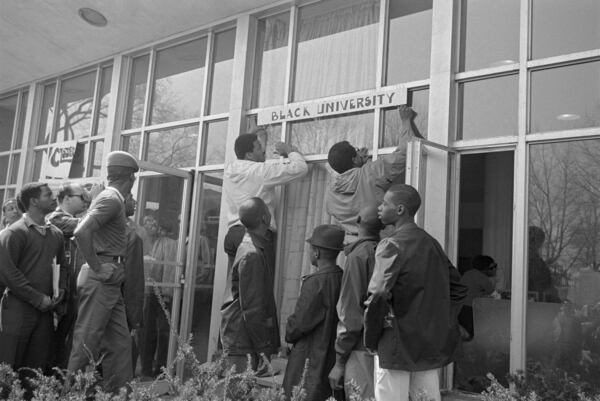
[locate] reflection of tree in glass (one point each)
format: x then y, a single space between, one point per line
564 201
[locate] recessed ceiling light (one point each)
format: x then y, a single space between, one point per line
568 117
92 16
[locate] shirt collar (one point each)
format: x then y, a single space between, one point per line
115 190
29 222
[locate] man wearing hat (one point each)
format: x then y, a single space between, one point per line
352 360
312 326
101 327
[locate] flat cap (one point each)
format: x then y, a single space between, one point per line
122 159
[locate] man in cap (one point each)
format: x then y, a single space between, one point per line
311 328
102 239
249 315
250 175
411 315
362 182
352 360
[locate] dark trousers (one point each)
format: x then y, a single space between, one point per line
62 338
24 337
155 337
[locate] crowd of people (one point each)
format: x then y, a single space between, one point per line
72 276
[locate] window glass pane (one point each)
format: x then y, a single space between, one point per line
317 136
8 109
37 163
305 210
75 107
409 59
174 148
565 98
221 74
419 101
97 151
10 193
2 200
214 148
563 270
489 108
137 92
206 245
104 100
3 169
562 27
21 128
337 48
269 76
177 92
47 115
14 168
490 33
131 144
484 238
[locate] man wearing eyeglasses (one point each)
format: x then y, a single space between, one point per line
102 239
73 200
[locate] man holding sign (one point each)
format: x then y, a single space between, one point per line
29 249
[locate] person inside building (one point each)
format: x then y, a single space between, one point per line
539 280
10 213
149 232
352 360
133 286
101 325
249 324
312 327
361 181
411 316
73 200
479 283
250 176
30 249
156 330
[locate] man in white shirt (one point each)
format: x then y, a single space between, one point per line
250 176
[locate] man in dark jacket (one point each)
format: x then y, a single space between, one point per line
352 360
311 328
411 317
249 315
73 199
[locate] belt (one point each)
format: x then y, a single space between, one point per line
109 258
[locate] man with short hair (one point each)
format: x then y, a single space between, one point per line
73 199
411 315
101 238
250 176
28 249
312 326
249 315
362 182
352 360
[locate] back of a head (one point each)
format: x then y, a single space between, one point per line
29 191
244 144
536 237
120 166
252 212
481 262
403 194
340 156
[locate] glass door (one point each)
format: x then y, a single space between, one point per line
162 215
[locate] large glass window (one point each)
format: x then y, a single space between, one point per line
174 148
13 108
137 92
409 59
214 146
419 101
317 136
562 27
488 108
337 48
563 312
565 98
8 111
178 80
104 101
269 75
222 66
75 108
47 115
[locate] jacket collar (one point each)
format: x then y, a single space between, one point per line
350 247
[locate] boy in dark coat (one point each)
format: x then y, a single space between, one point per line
312 326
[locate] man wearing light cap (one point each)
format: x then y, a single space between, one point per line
101 327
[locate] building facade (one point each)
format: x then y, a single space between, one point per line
506 94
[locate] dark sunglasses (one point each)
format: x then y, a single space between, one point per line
80 196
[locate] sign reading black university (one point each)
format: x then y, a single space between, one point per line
342 104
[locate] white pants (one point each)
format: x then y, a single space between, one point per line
397 385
